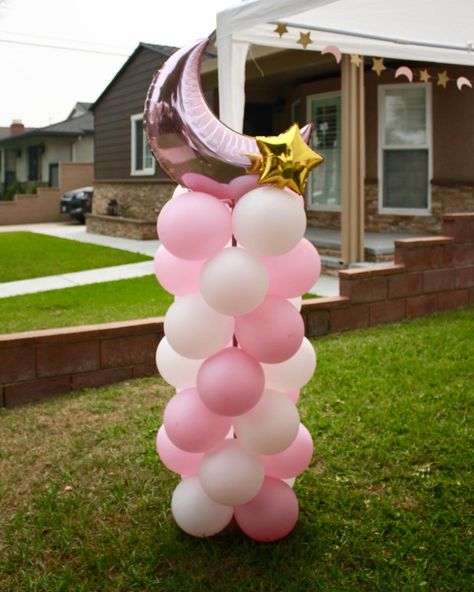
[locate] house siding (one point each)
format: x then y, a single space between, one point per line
112 118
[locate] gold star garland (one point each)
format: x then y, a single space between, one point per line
378 65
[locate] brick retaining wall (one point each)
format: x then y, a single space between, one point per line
430 275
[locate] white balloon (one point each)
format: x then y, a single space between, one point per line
269 427
194 329
177 370
294 373
290 481
268 221
234 282
231 475
296 302
179 191
195 512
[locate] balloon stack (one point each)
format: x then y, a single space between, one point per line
234 255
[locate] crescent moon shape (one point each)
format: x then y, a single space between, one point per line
335 51
183 133
463 81
404 71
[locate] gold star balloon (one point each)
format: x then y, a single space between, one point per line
281 29
443 79
305 39
424 75
378 65
356 59
287 160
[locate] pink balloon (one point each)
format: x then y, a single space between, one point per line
194 225
175 459
292 461
271 514
192 426
295 272
231 382
177 276
271 333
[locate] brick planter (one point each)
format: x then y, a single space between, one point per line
123 227
430 275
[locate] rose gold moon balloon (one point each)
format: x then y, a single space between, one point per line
183 133
333 50
463 81
404 71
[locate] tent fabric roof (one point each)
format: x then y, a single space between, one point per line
421 30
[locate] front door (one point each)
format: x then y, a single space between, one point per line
324 187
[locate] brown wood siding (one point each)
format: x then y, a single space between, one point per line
126 97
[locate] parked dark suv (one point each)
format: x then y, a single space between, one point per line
77 203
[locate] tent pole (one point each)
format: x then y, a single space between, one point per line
353 162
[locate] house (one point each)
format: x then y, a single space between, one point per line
30 158
128 183
37 165
390 90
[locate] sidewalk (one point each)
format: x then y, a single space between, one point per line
325 286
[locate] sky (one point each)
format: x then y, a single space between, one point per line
40 85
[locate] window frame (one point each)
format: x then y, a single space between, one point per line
133 148
381 147
310 206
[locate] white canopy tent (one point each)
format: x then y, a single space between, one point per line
418 30
422 30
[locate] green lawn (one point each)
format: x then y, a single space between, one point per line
135 298
384 506
28 255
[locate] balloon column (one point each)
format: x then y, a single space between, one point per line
234 255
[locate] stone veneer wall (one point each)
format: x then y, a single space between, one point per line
430 275
444 199
139 200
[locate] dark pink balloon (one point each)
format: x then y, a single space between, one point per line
231 382
271 515
295 272
271 333
194 226
177 276
192 426
292 461
176 460
294 396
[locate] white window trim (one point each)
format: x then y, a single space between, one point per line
381 146
309 205
133 146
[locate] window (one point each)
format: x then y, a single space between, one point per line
404 159
324 187
143 162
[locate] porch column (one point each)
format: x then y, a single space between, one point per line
352 161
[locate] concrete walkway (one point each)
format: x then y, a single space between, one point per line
325 286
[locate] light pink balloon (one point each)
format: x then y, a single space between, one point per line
295 272
271 514
194 225
271 333
231 382
292 461
176 460
192 426
177 276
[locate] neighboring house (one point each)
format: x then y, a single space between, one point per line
38 165
30 158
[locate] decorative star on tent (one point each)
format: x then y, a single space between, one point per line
443 79
287 160
356 59
424 75
281 29
305 40
378 66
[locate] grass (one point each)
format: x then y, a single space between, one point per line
120 300
28 255
384 506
